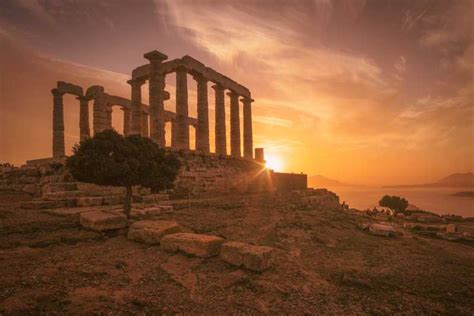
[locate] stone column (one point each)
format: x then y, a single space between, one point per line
202 132
126 121
58 123
234 124
108 116
100 114
174 134
220 134
182 127
248 136
145 130
156 89
136 103
84 130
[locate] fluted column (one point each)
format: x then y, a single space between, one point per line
100 113
174 134
248 136
234 124
126 121
145 130
182 127
58 123
202 132
220 134
108 116
84 130
156 89
136 103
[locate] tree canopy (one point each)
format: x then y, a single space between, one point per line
395 203
111 159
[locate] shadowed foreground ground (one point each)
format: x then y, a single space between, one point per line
325 265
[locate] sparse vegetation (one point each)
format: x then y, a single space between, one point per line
110 159
395 203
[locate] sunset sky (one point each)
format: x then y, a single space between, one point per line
367 92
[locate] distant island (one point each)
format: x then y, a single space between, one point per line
469 194
453 180
322 181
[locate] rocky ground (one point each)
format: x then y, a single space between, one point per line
325 264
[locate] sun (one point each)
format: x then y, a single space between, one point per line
274 162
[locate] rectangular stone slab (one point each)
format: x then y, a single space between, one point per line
256 258
151 232
194 244
101 221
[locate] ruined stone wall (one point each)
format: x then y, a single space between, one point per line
214 174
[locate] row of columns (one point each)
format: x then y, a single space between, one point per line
180 126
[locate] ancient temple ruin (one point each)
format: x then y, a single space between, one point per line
149 120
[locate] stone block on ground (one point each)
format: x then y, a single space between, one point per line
112 200
154 198
89 201
138 213
193 244
101 221
38 205
151 232
256 258
33 189
382 230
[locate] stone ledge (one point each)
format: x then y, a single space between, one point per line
151 232
255 258
194 244
101 221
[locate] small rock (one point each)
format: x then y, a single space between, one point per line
89 201
256 258
151 232
382 230
193 244
101 221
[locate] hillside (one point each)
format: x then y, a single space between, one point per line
453 180
319 181
324 265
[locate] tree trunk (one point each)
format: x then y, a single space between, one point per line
128 201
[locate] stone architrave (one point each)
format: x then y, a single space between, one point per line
58 123
220 132
234 125
84 130
248 137
181 123
202 132
156 90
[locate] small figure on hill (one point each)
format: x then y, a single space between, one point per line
395 203
111 159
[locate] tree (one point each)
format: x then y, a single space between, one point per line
110 159
396 203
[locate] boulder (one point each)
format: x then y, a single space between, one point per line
101 221
193 244
256 258
89 201
151 232
31 189
382 230
451 228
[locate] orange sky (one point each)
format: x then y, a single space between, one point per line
367 92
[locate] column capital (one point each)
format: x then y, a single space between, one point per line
199 77
133 82
247 100
57 93
155 55
218 87
233 94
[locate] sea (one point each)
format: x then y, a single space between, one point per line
437 200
